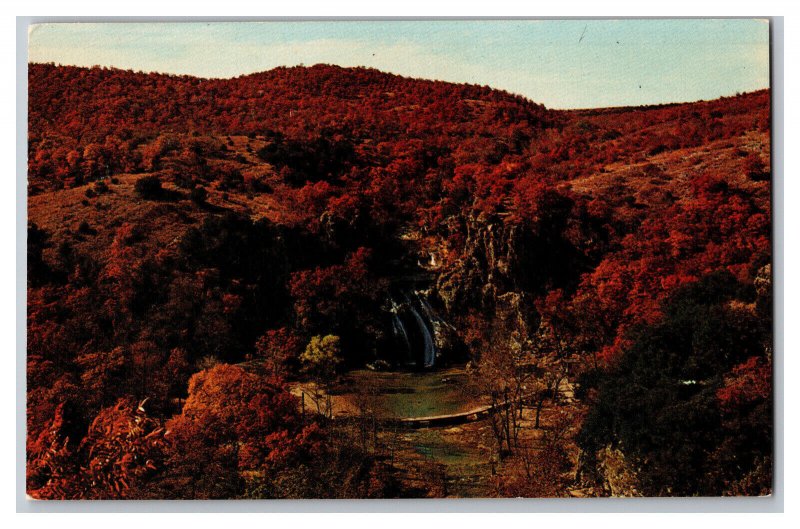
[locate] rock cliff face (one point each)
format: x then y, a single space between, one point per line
447 343
487 269
505 264
489 279
484 280
502 265
608 473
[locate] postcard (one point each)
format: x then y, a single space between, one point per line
399 259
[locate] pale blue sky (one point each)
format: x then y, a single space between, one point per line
560 63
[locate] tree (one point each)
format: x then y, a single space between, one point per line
125 448
148 187
505 375
754 167
103 374
122 449
321 356
343 299
279 350
38 240
199 195
234 426
320 360
665 403
94 162
541 464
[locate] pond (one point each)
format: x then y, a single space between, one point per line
402 394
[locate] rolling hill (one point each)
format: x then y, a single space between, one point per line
179 227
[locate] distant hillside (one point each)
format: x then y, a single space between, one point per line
72 108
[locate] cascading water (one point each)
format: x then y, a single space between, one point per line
400 331
430 349
417 341
431 314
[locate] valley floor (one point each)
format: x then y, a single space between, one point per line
456 460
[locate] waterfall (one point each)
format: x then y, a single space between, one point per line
400 330
427 323
430 349
433 317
